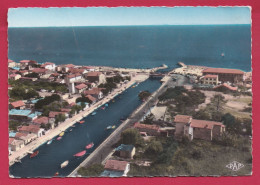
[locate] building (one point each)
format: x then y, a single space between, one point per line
225 75
73 78
17 105
96 76
77 70
210 79
42 120
32 129
15 76
115 168
126 151
23 115
49 66
197 129
225 88
151 130
91 98
39 71
95 92
11 63
26 63
15 144
25 137
80 88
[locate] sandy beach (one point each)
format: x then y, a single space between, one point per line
71 121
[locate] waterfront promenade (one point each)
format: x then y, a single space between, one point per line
69 122
106 147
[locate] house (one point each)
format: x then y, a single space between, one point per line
115 168
151 130
39 71
197 129
91 98
80 88
19 114
49 66
210 79
26 63
96 76
15 76
42 120
64 68
95 92
17 105
28 79
60 81
11 63
86 104
24 72
15 144
52 115
32 129
25 137
73 78
225 75
126 151
77 70
224 88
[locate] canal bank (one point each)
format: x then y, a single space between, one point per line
47 163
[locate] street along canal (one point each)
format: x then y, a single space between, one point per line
75 139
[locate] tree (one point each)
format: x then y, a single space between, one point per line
154 148
216 116
46 101
13 125
131 136
32 75
83 105
228 120
218 102
92 171
59 118
149 119
201 114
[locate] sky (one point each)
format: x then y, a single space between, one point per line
123 16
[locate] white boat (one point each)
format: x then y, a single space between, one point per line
49 142
64 164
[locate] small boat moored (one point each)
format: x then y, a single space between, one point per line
34 154
90 145
103 108
61 134
80 154
106 104
59 138
64 164
94 113
82 122
49 142
56 174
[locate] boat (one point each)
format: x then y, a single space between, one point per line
49 142
82 122
94 113
109 127
80 154
70 130
61 134
34 154
73 126
56 174
90 145
222 54
106 104
103 108
113 101
59 138
113 127
64 164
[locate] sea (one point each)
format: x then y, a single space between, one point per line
226 46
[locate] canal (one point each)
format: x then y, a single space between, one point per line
50 157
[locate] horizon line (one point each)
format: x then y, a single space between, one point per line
126 25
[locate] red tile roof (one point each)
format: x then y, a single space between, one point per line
116 165
222 70
17 104
227 86
25 61
65 110
39 70
76 70
81 86
41 120
152 127
92 91
69 65
91 98
73 75
30 128
10 61
53 114
10 140
211 76
182 119
205 124
95 73
47 63
19 134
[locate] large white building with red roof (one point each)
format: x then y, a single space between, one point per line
197 129
49 66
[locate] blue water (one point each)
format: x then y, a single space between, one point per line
135 46
47 163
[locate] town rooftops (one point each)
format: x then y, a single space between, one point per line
15 112
69 65
65 110
91 98
54 114
123 147
145 126
222 70
41 120
205 124
211 76
226 86
93 91
76 70
116 165
25 61
20 134
95 73
30 128
47 63
182 119
16 142
81 86
73 75
17 104
39 70
10 61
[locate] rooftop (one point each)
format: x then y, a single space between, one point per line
205 124
19 112
17 104
123 147
226 86
211 76
81 86
152 127
182 119
116 165
41 120
222 70
95 73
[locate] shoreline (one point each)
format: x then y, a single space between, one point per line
16 156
